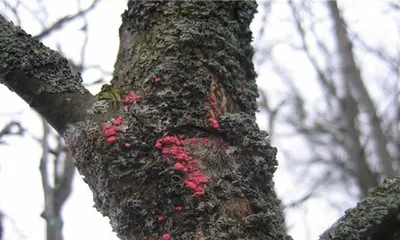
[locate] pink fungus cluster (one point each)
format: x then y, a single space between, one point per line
131 98
161 218
178 208
166 236
173 148
214 123
118 121
214 105
111 130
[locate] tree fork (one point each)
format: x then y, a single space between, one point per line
183 157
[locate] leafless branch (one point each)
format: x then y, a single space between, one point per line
12 128
13 9
57 191
61 22
327 84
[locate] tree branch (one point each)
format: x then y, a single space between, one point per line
12 128
61 22
376 217
42 77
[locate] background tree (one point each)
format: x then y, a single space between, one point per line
340 104
56 165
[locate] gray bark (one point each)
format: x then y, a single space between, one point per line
376 217
204 98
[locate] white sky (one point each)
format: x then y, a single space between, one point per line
21 194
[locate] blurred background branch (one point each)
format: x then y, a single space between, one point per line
56 164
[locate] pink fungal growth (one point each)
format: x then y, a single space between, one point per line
193 140
173 149
131 98
178 208
166 236
112 131
214 123
191 185
199 192
214 105
157 80
112 140
118 121
127 145
161 218
180 167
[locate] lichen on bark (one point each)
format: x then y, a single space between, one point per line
180 155
18 51
375 217
191 65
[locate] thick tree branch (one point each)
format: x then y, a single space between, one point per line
42 77
376 217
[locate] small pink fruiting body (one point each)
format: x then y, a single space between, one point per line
214 123
166 236
173 149
112 140
131 98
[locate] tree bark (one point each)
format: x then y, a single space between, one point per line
374 218
181 157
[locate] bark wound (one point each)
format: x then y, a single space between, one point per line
237 208
220 96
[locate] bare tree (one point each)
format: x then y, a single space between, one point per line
12 128
349 133
56 165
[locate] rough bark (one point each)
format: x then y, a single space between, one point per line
186 158
374 218
41 77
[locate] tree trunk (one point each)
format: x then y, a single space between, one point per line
180 157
